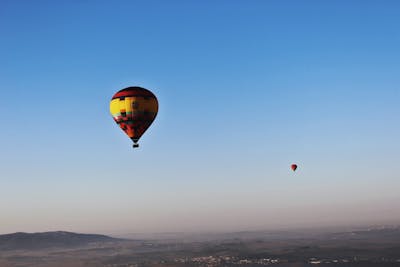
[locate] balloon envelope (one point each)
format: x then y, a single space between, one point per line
293 167
134 110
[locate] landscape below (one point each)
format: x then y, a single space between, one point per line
375 246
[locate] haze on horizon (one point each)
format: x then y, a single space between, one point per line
245 89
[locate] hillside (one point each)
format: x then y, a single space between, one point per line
58 239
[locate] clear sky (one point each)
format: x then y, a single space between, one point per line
245 89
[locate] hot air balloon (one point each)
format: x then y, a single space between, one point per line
293 167
134 109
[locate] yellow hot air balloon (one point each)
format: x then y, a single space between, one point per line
134 110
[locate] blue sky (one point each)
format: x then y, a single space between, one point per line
245 89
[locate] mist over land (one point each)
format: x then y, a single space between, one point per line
363 246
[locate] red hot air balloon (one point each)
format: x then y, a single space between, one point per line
134 109
293 167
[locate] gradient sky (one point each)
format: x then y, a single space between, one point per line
245 89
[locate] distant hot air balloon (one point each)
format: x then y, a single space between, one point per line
134 109
293 167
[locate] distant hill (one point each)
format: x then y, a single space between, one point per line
44 240
380 233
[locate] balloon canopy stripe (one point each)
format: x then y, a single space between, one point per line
133 91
